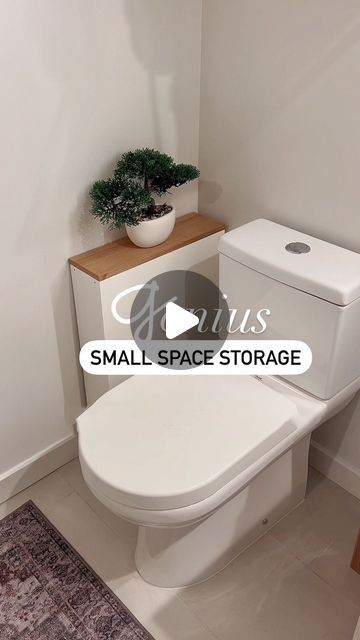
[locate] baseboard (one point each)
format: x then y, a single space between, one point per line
37 467
335 468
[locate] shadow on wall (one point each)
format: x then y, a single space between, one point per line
156 43
332 433
67 338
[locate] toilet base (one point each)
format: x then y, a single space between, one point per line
179 557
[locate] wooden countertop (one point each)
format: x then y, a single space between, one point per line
115 257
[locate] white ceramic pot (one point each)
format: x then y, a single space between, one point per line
149 233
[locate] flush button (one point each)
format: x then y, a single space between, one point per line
298 247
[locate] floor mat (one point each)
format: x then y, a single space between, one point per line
48 592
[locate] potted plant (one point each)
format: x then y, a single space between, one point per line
128 198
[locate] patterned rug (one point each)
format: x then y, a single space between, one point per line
48 592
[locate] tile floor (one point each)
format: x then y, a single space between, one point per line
294 583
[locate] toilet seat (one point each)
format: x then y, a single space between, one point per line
169 442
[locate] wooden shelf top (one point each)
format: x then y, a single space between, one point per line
115 257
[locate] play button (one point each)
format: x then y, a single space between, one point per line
178 320
178 315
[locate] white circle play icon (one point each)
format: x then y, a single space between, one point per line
178 320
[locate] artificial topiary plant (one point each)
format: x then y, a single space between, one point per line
128 197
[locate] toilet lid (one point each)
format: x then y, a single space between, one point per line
171 441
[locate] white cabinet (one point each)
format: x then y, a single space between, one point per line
96 283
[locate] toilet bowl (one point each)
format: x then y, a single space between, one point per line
201 459
204 465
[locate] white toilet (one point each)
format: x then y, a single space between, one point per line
207 464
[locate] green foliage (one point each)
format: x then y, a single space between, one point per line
127 197
116 202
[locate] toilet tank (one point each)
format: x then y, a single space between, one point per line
312 290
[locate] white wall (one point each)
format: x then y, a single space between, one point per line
81 82
280 136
